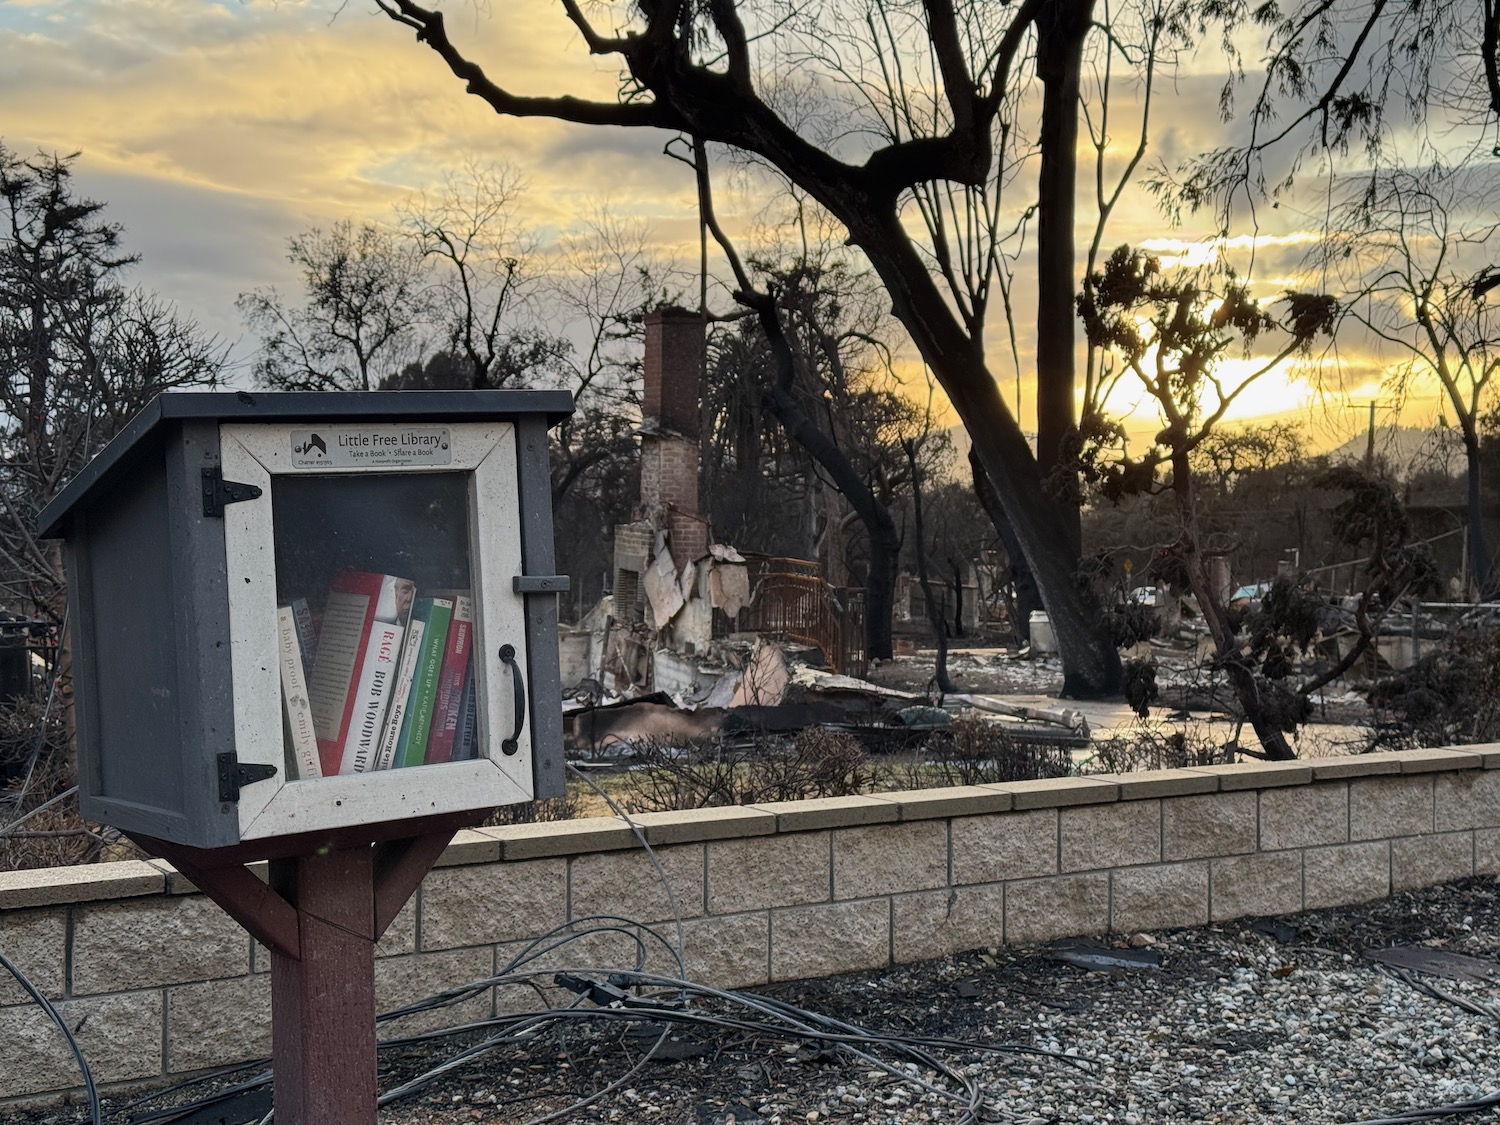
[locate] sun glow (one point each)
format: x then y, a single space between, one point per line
1178 253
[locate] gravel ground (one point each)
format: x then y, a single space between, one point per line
1284 1021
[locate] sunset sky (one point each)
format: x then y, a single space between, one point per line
215 129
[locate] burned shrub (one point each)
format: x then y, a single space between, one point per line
1141 689
1132 623
697 775
818 762
1450 696
978 751
34 768
831 763
1291 611
1155 750
547 809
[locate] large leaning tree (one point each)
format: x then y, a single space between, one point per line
729 74
905 118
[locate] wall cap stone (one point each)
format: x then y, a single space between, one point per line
951 800
1487 752
1258 775
1430 761
469 846
51 886
1356 765
831 812
1059 792
1161 783
689 826
548 838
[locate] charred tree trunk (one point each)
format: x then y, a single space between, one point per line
1248 688
780 400
958 600
1062 27
1028 598
723 107
1479 555
929 596
1091 665
885 540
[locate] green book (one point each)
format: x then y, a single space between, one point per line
411 747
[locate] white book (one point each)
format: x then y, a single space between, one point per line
411 656
372 696
334 669
296 708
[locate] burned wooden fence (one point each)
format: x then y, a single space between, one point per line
790 599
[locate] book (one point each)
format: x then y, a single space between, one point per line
411 653
344 687
377 682
466 741
416 723
451 684
296 709
307 636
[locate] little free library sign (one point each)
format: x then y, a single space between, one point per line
359 446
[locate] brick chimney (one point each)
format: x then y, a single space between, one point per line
672 398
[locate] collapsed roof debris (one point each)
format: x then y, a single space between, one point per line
1060 716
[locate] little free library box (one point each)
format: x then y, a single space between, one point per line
299 613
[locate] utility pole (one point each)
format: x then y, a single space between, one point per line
1372 405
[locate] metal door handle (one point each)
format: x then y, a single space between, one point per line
512 744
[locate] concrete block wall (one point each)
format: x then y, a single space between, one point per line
159 982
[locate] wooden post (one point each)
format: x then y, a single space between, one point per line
329 900
323 1002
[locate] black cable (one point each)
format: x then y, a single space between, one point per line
1434 1113
46 1006
673 1009
779 1018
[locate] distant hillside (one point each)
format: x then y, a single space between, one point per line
1407 449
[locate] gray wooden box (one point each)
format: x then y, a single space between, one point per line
174 551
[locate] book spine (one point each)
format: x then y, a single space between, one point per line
307 636
377 680
360 604
451 686
347 618
411 654
466 741
297 710
411 748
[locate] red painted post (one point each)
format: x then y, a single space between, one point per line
323 1004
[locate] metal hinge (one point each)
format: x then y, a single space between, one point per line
541 584
233 776
217 492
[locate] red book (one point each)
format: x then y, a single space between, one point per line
356 601
446 712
